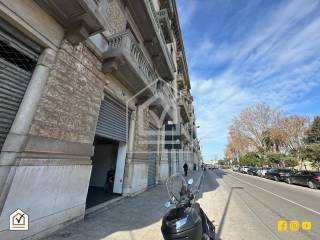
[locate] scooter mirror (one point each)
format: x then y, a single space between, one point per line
190 181
167 204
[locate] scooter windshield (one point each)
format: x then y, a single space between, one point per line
177 187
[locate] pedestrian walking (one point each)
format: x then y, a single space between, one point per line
185 167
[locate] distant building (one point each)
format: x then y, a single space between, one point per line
75 77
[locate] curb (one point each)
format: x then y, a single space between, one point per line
104 206
199 180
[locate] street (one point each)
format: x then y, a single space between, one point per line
242 207
248 207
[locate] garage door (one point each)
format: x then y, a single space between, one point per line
18 57
152 158
112 121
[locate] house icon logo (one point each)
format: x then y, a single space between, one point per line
19 221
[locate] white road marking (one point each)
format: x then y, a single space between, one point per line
299 188
283 198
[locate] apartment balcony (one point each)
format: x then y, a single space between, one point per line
185 133
184 102
164 104
180 81
168 4
124 59
147 19
183 69
80 18
183 109
166 25
196 145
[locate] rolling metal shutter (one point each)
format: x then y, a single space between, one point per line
17 62
113 120
152 159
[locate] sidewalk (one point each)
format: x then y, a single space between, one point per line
135 218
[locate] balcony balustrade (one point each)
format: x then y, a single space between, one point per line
180 81
183 69
146 17
185 104
165 102
124 58
185 133
166 25
168 4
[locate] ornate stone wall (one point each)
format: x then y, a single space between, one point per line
116 18
71 100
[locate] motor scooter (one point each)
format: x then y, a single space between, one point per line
185 218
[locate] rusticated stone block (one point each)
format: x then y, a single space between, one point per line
116 17
70 103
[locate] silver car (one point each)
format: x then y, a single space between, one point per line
262 172
244 169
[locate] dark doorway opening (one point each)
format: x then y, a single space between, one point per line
103 171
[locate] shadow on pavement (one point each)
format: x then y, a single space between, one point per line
210 177
212 182
135 218
225 211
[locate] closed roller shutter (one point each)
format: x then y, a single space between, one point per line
112 121
17 62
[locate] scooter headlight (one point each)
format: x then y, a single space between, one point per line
181 222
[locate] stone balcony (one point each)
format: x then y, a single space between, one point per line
124 59
183 109
80 18
165 103
185 133
168 4
166 25
184 102
180 81
183 70
196 145
147 20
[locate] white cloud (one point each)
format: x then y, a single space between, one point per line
186 11
277 63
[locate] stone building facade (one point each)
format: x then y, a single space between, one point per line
78 82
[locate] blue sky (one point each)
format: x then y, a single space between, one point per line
244 52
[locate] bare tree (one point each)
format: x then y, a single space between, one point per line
266 131
292 130
254 122
238 145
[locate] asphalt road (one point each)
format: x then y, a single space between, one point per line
249 207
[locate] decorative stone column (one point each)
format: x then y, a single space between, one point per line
128 173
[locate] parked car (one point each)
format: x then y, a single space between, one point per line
278 174
306 178
244 169
262 172
253 171
235 168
